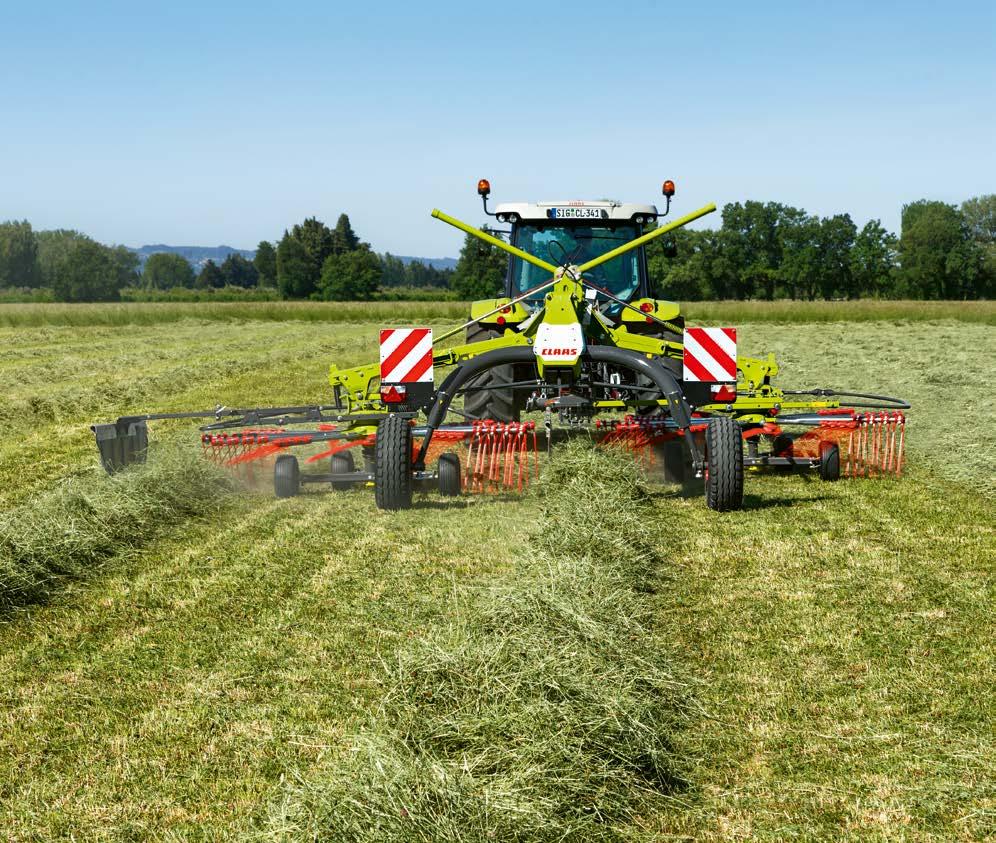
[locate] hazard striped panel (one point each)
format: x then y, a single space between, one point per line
710 354
406 355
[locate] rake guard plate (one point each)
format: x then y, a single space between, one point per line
121 444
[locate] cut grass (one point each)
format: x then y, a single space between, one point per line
70 531
542 709
844 638
841 634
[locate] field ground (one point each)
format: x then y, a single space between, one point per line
838 639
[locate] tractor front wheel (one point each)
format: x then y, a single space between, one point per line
393 473
724 479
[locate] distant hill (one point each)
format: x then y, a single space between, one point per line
197 256
435 263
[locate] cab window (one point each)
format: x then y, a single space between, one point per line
560 244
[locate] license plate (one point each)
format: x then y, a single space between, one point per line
576 213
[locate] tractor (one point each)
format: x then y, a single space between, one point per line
577 345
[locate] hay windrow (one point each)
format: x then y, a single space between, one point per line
543 709
67 532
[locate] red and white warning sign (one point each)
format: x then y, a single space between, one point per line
710 354
406 355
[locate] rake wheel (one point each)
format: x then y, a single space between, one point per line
829 461
495 404
449 474
286 476
724 479
393 475
343 463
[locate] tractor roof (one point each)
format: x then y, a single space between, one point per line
576 209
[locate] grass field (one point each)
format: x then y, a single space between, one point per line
591 662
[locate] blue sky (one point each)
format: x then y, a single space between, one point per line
214 123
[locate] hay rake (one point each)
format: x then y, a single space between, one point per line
576 335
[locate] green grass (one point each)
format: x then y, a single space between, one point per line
157 313
205 680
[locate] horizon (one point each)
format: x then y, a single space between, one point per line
230 124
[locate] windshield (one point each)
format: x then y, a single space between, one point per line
559 244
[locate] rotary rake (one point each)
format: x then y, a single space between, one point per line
576 336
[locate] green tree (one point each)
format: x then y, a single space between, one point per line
836 239
980 216
236 271
480 271
351 276
165 270
93 272
394 271
344 239
938 257
54 248
294 270
753 245
799 269
18 255
265 262
873 260
210 276
318 241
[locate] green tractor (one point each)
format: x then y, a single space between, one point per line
567 233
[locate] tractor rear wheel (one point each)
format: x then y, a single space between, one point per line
343 463
724 479
829 461
449 474
493 403
286 476
393 474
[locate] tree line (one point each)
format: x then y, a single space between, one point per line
766 250
310 261
762 250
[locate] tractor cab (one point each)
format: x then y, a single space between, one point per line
574 232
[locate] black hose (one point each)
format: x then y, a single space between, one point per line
885 402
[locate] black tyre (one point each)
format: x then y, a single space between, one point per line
495 403
450 482
343 463
829 461
393 474
286 476
724 481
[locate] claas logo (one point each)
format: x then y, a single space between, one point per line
559 352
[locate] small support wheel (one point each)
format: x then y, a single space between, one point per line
724 477
286 476
343 463
393 475
449 474
829 461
